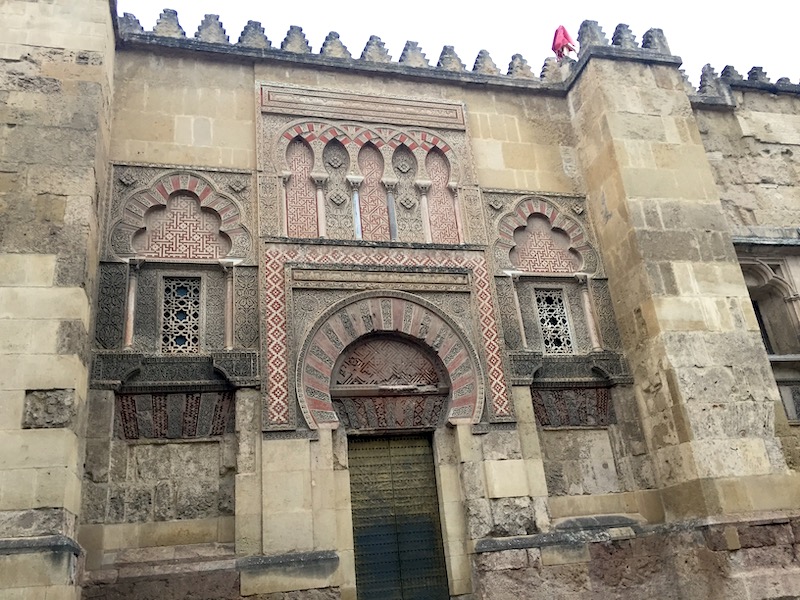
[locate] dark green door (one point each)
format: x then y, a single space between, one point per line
396 529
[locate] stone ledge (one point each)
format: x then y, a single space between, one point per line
39 544
296 559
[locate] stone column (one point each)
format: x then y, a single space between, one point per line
588 312
284 177
457 209
355 183
391 189
705 391
319 181
56 67
130 302
423 187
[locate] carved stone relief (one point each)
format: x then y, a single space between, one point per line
110 315
246 307
338 193
152 207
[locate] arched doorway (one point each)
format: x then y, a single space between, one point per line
383 388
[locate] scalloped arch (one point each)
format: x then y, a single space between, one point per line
158 193
532 206
417 140
386 311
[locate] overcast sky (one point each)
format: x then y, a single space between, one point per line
762 34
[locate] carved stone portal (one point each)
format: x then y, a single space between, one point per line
359 349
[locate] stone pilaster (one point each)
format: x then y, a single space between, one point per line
56 68
704 389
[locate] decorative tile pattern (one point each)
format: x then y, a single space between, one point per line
275 316
581 407
301 201
441 204
181 230
372 195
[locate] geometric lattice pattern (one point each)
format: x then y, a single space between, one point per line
181 230
441 205
173 415
372 195
581 407
180 326
540 249
275 257
554 322
301 193
386 361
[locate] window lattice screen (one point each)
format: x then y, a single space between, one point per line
181 325
553 321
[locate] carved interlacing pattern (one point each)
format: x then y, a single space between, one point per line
215 310
406 197
372 195
277 410
301 194
553 321
540 249
246 307
338 193
392 412
508 313
111 304
582 407
181 230
385 361
441 202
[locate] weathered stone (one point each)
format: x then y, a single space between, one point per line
413 56
513 516
49 408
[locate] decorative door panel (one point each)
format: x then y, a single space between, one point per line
396 528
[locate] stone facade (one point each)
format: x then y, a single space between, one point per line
252 294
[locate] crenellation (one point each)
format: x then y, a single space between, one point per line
168 26
253 36
375 51
757 74
654 39
449 60
623 37
731 73
211 30
413 56
333 47
519 68
295 41
484 64
590 34
128 23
